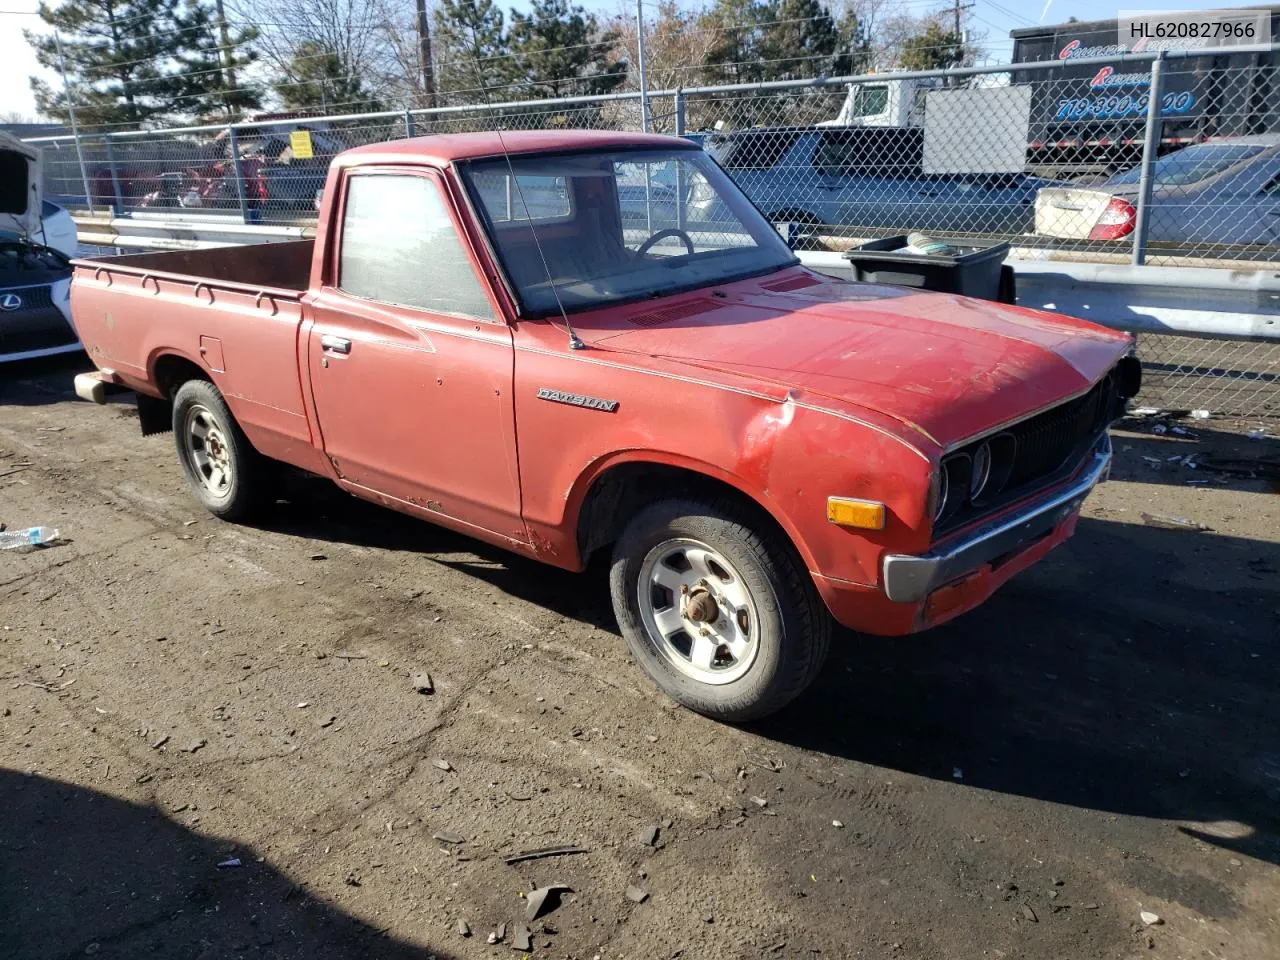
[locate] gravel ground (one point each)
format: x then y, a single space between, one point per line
1100 740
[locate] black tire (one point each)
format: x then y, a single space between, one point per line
246 484
794 628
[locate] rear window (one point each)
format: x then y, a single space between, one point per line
506 198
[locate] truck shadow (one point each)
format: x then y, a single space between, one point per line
1191 454
1133 671
87 873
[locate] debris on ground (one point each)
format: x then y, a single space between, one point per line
1252 468
838 824
444 765
229 863
1029 914
156 745
1174 523
636 895
195 745
30 537
445 837
543 852
498 935
760 802
649 836
1200 414
463 928
522 938
544 900
422 683
765 763
1151 919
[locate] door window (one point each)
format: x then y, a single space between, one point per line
400 246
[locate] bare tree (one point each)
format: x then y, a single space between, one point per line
674 42
353 33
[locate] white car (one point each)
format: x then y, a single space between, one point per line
1219 193
36 243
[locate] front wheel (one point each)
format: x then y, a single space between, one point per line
718 609
225 473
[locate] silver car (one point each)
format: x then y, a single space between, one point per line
1218 193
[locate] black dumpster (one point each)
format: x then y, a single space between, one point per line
975 269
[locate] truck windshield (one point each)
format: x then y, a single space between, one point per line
1193 164
613 226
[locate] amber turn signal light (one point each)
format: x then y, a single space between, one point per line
850 512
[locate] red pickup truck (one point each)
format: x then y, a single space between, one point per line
532 338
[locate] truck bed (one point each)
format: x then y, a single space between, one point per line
232 312
277 266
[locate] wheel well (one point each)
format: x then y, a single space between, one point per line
171 371
155 415
622 491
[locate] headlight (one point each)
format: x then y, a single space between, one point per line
953 486
980 472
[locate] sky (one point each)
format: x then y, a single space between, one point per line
995 17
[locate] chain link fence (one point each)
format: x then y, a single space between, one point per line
1161 159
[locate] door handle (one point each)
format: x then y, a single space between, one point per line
335 344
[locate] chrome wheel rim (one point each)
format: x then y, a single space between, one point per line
698 612
207 450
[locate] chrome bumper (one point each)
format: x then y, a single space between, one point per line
908 579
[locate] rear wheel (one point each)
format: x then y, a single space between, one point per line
225 473
718 609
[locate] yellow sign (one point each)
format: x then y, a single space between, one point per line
300 143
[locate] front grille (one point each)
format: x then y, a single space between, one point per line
33 298
36 325
1043 450
1050 440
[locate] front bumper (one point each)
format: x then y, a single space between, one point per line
910 579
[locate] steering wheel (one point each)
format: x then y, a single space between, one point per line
662 235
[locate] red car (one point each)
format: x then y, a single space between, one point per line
479 337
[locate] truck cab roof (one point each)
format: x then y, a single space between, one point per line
447 148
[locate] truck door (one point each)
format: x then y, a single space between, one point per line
410 362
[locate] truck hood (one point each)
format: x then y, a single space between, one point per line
948 367
19 187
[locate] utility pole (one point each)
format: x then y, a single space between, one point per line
956 8
424 54
644 79
71 112
224 52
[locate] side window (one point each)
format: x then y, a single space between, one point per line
399 246
832 157
1272 187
